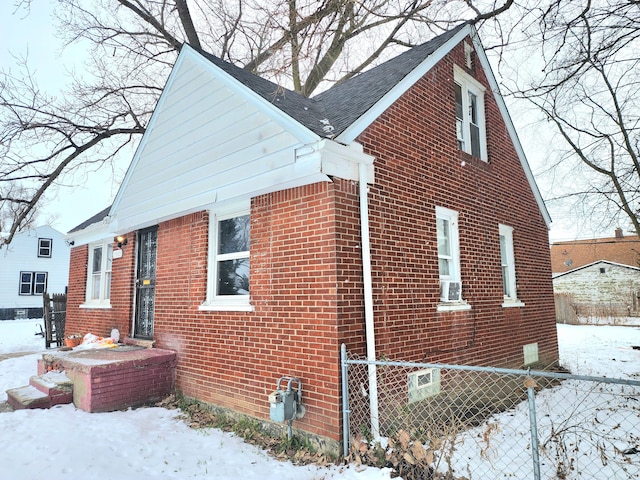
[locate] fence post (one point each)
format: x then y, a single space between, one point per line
535 455
345 401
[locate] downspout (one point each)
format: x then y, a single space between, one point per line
368 301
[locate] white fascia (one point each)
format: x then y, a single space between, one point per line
339 160
95 232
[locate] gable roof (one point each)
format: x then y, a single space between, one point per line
348 101
348 108
307 111
300 129
599 262
331 112
98 217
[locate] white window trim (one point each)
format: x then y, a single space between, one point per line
49 247
471 85
223 303
509 300
452 217
98 302
33 283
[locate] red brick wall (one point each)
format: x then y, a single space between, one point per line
234 359
100 321
419 167
306 280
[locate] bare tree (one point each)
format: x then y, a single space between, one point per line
133 44
587 89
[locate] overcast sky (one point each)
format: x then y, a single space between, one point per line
32 36
67 206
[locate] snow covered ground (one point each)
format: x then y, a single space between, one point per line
147 443
152 443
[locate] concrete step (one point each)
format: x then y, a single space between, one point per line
56 385
27 397
43 391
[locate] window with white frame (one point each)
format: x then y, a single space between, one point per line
447 232
507 259
229 254
470 118
448 254
44 247
33 283
99 274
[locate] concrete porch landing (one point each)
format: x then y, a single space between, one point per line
114 378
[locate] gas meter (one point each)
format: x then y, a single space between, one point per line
285 405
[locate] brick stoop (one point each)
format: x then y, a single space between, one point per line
99 380
43 391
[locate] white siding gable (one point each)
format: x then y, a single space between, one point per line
210 139
601 287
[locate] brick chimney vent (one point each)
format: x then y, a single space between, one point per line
619 233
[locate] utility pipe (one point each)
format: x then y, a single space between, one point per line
368 301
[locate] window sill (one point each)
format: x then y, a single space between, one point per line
226 307
453 307
96 305
512 303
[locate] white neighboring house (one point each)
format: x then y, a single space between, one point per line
36 261
601 289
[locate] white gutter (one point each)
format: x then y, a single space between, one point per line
368 301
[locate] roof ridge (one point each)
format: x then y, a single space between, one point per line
330 112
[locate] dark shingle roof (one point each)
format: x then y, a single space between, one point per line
90 221
329 113
345 102
349 100
306 111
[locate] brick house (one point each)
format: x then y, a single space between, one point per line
597 278
571 254
260 230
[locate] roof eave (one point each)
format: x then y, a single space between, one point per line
349 134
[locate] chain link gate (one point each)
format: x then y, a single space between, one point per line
457 422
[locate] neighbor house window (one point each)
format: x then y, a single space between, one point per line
229 254
44 247
470 120
507 260
99 274
33 283
448 255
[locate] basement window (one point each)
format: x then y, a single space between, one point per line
423 384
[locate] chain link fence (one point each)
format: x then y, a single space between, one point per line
434 421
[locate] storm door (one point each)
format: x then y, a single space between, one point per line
145 282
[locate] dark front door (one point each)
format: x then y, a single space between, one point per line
146 282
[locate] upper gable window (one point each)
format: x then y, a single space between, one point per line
470 119
44 247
